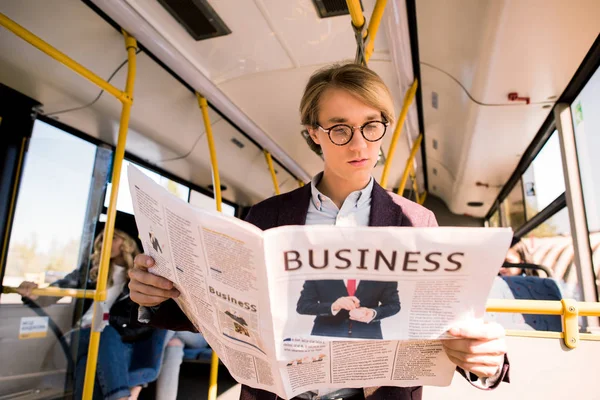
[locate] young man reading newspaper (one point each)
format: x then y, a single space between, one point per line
347 110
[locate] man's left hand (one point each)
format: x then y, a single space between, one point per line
362 314
480 347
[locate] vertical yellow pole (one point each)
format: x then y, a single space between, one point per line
355 10
272 170
408 99
211 147
374 27
92 359
214 360
413 153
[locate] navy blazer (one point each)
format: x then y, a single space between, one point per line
317 298
387 209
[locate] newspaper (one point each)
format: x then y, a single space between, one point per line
269 302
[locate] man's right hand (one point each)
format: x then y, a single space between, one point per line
345 303
147 289
25 289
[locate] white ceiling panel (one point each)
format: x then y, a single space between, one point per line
250 48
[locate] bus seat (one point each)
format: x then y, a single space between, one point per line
526 288
202 355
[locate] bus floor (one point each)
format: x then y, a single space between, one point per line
193 384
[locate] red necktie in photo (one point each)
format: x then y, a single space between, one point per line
351 287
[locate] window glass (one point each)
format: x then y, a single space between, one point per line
514 208
124 202
544 180
586 121
550 245
494 220
208 203
50 210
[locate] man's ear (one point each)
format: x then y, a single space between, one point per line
313 134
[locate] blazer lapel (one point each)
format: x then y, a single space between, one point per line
384 212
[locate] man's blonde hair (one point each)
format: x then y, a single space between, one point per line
358 80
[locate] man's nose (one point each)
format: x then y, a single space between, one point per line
358 142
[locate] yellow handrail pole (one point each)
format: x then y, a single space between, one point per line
55 292
422 200
411 157
408 99
374 27
109 227
60 57
358 19
211 147
214 360
547 307
272 170
415 185
300 183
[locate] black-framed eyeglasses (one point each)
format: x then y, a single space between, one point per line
342 134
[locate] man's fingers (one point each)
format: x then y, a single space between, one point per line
478 330
147 301
471 346
477 369
143 276
355 300
476 359
143 261
148 290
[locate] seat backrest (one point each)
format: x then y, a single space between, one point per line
526 288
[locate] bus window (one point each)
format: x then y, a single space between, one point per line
514 208
586 121
494 221
544 181
124 202
51 207
550 244
208 203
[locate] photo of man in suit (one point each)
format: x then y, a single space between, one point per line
348 308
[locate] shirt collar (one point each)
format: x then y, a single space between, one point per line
359 197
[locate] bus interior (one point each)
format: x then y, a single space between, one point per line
500 120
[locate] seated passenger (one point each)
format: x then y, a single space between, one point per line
119 337
347 110
518 254
168 380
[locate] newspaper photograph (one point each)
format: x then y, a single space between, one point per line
308 308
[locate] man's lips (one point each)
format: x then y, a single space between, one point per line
358 162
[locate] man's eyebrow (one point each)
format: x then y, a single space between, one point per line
373 117
339 120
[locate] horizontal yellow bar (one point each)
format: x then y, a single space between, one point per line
56 292
549 335
61 57
586 309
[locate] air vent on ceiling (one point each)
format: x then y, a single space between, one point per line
332 8
237 143
197 17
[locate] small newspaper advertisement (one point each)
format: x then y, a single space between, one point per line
317 308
